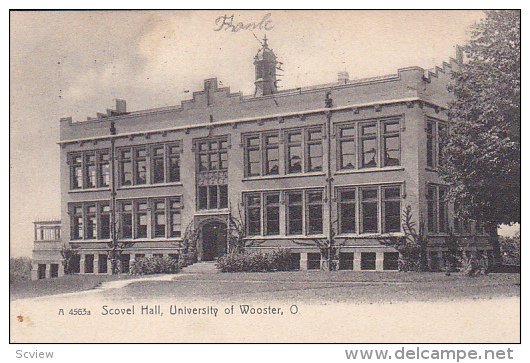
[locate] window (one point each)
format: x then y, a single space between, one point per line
314 150
212 154
437 209
272 157
91 222
89 264
294 152
391 261
102 264
442 209
125 167
213 197
272 214
294 213
253 153
369 212
391 209
173 163
175 224
346 144
126 220
431 209
457 223
77 223
313 261
104 169
140 166
368 260
89 169
347 211
346 261
159 218
430 144
437 133
374 203
104 218
391 144
369 145
314 210
294 263
253 206
141 219
158 164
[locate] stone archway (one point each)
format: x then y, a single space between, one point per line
213 240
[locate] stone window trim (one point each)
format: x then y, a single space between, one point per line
380 200
380 135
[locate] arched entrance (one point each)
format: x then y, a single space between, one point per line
213 240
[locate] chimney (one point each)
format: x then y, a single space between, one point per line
343 77
121 106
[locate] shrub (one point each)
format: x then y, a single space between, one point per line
278 260
473 266
19 269
154 265
187 259
511 249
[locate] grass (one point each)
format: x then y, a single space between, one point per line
318 286
21 289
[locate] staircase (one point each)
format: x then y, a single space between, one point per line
207 267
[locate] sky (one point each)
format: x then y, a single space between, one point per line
77 63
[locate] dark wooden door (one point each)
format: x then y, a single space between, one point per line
213 241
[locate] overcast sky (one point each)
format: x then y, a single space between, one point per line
77 63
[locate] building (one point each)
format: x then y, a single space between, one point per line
343 158
47 247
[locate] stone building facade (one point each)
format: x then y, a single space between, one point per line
341 159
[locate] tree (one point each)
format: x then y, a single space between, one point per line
481 156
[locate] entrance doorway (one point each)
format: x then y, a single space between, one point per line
213 240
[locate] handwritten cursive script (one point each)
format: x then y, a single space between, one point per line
226 23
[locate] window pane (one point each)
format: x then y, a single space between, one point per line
175 224
212 190
347 152
347 131
272 167
369 153
77 177
314 135
430 144
392 216
91 176
203 162
104 172
315 157
91 227
391 127
105 226
315 219
223 196
158 170
126 227
160 224
368 260
369 129
369 211
295 159
141 228
203 197
254 214
295 213
272 215
213 161
431 210
126 176
295 137
271 140
141 172
174 169
254 162
223 157
253 141
347 211
391 150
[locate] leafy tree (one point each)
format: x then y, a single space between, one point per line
482 153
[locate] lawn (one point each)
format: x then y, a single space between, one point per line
318 286
22 289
